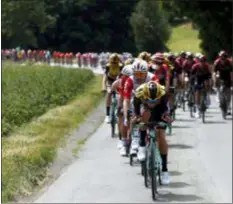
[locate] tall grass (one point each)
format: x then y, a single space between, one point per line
29 92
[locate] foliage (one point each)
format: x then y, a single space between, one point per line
76 25
150 26
214 22
28 92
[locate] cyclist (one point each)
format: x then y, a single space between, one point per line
161 70
223 68
152 97
200 77
112 70
187 66
118 86
145 56
140 76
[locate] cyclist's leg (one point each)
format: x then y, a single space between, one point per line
145 116
228 93
108 100
197 89
162 144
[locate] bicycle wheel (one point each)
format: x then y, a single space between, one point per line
223 107
202 108
153 173
183 101
113 120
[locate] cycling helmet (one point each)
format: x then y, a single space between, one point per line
183 54
129 61
114 58
202 58
171 57
127 70
189 55
140 65
223 54
153 91
144 56
158 58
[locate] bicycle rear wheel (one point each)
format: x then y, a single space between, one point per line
153 173
223 107
113 120
203 108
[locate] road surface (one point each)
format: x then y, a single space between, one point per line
200 165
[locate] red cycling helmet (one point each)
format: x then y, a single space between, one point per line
158 58
203 58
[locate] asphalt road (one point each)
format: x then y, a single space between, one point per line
200 165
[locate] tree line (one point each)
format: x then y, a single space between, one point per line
120 26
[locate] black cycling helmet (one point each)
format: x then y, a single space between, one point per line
189 55
171 57
183 54
152 90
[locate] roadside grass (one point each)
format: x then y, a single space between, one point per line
29 91
184 37
28 151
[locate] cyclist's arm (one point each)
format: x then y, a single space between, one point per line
127 91
106 70
165 107
137 105
115 85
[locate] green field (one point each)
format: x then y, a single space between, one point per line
33 98
184 37
29 92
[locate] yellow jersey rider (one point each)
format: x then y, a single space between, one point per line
153 99
112 70
145 56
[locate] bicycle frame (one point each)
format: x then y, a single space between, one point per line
152 144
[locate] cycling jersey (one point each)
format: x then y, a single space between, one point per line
131 84
179 64
158 110
161 72
113 70
200 72
224 68
187 66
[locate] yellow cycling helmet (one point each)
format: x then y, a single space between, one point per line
129 61
114 58
145 56
153 91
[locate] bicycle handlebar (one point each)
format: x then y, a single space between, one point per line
155 123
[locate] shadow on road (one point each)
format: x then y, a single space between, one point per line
180 146
175 173
176 185
214 122
178 197
229 118
180 126
185 120
209 116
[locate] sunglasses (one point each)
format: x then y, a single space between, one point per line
150 101
140 75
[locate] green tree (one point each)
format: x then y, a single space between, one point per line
22 19
214 22
150 26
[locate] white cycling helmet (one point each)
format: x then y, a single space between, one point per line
140 65
127 70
